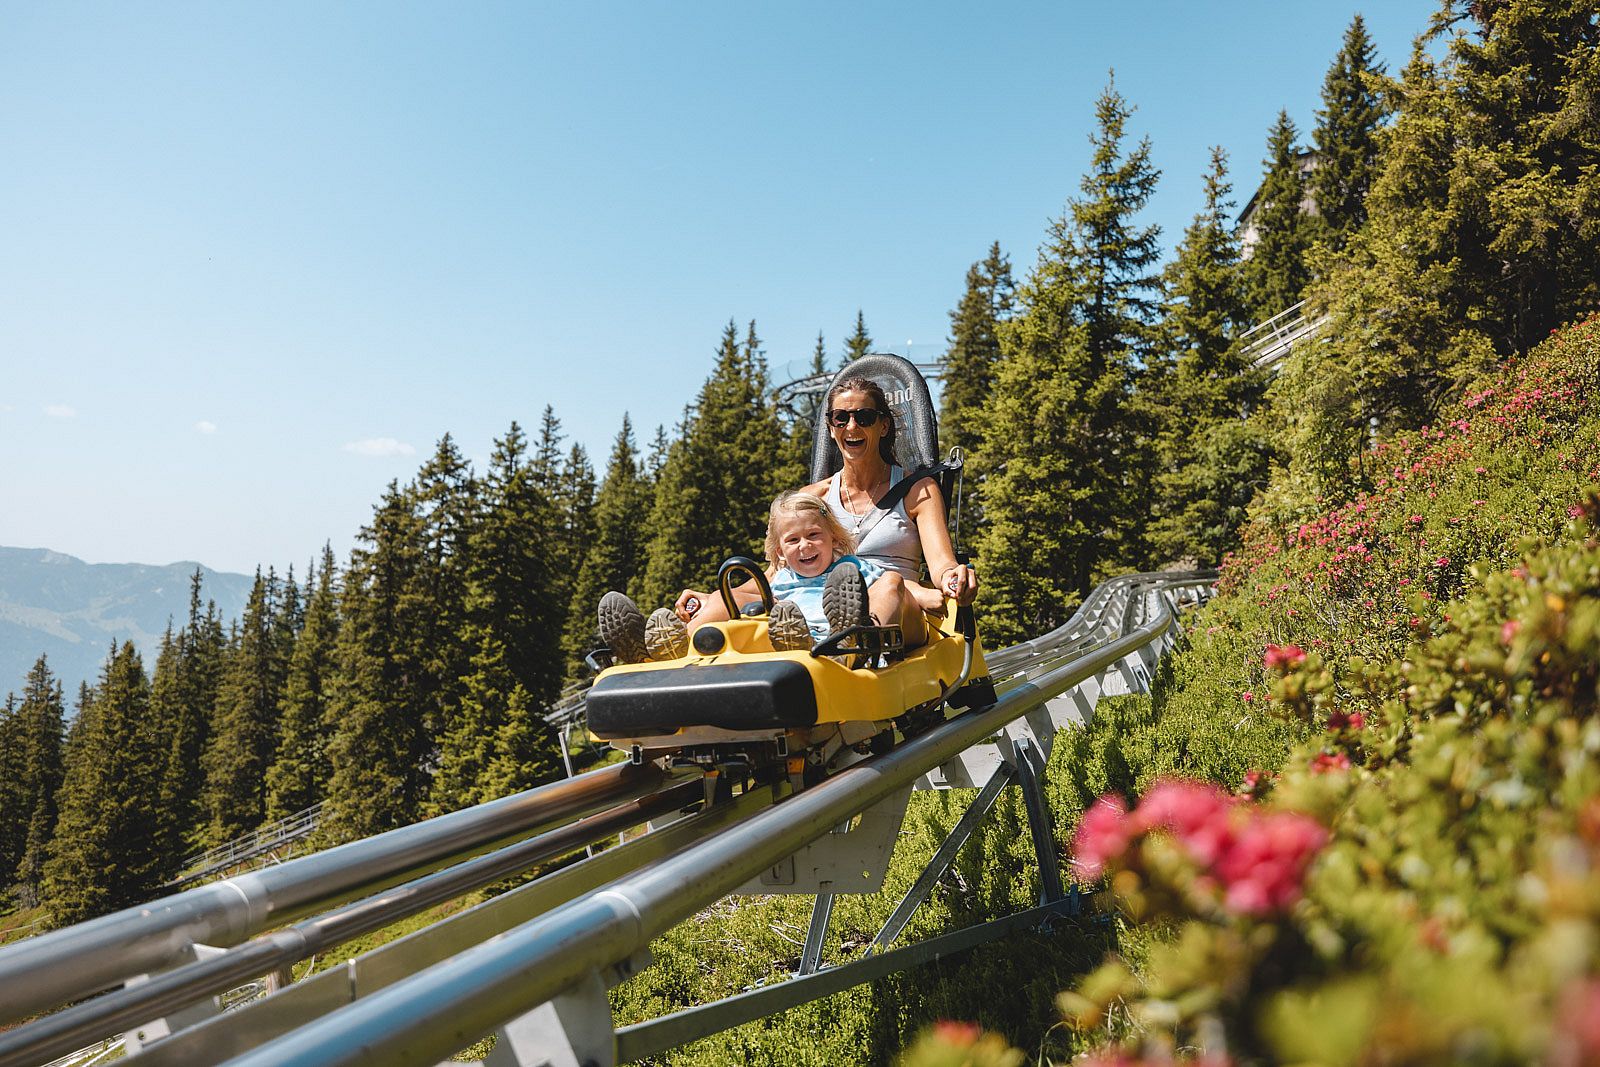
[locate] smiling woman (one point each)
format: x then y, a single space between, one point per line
897 538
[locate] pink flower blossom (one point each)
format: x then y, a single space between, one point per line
1103 835
1330 761
959 1034
1283 657
1508 630
1338 720
1247 696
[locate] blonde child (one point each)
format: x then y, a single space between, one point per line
818 586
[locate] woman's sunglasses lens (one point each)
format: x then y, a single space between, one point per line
865 417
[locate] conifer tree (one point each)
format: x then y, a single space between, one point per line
1062 492
973 358
1275 270
1346 137
299 772
1211 459
616 560
859 343
1483 231
380 701
14 812
184 698
105 852
496 743
575 505
720 476
656 458
41 717
245 731
447 505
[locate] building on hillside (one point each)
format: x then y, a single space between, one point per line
1248 234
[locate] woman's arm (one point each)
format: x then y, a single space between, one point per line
925 504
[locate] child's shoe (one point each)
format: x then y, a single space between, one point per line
844 598
787 629
622 628
665 635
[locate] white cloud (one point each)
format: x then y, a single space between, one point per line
205 426
380 446
60 411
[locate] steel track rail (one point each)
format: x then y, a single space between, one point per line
433 1013
74 1027
75 962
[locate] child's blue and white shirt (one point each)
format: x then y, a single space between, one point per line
807 592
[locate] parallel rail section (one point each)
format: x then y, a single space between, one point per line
530 965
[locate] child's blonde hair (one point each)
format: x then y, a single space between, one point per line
794 502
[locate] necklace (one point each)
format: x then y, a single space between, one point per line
862 518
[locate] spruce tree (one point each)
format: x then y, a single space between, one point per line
616 559
1346 137
972 359
447 504
245 731
720 477
656 458
381 700
184 698
41 735
1063 495
1275 270
105 852
1211 457
859 343
1482 232
14 811
496 743
299 772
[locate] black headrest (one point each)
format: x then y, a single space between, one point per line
916 428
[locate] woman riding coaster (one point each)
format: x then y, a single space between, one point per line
897 538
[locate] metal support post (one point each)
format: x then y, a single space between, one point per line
811 955
1030 769
942 858
138 1037
574 1029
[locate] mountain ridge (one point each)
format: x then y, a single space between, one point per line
72 611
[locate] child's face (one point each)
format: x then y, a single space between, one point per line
805 545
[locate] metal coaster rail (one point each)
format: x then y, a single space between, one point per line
421 999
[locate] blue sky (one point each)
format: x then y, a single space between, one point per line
255 261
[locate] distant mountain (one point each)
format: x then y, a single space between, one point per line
71 611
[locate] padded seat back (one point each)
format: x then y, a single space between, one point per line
916 427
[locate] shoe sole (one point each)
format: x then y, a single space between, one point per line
622 628
844 599
844 602
665 636
787 629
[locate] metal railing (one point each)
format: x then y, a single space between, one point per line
429 1015
260 841
419 995
1267 343
81 960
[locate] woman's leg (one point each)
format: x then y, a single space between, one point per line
892 603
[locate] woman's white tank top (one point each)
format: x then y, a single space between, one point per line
888 538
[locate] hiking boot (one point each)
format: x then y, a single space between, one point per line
844 598
665 635
787 629
622 628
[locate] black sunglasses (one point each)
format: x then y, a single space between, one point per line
864 416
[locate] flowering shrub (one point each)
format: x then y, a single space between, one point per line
1414 875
